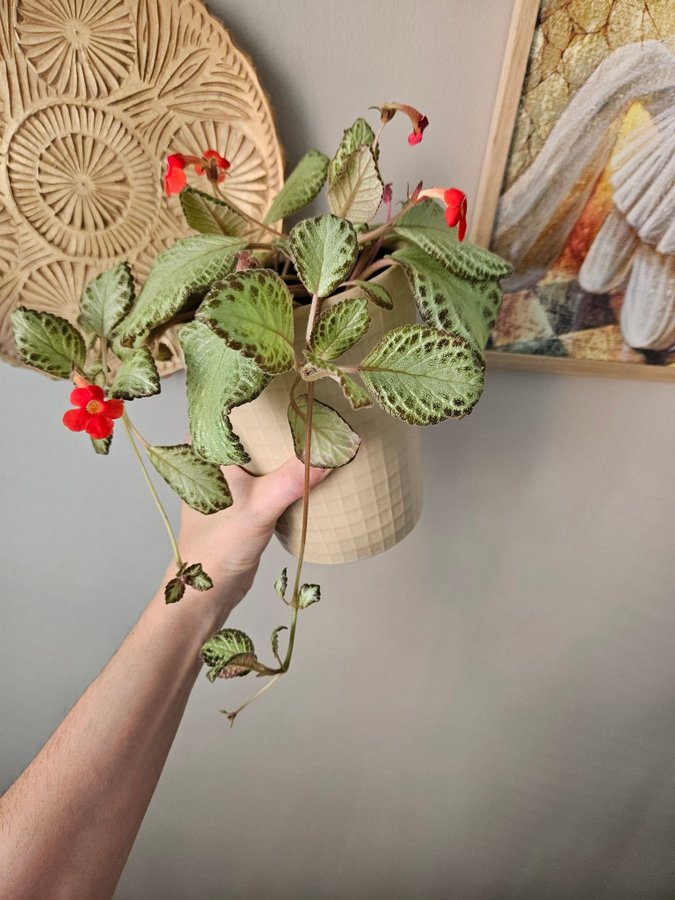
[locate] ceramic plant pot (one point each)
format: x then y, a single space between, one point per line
374 501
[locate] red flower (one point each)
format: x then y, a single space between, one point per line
419 122
455 210
174 179
455 206
211 164
94 414
415 135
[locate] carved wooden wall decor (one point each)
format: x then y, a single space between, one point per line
93 95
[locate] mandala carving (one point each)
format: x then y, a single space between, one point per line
93 95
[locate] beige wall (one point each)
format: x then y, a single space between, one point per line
486 711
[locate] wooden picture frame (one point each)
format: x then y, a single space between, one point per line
524 20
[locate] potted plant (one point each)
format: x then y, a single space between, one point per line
291 336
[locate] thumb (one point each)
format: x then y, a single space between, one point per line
275 492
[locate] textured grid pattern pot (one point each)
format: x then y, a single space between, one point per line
373 502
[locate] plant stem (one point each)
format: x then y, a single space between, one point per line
221 196
305 519
383 230
379 264
155 496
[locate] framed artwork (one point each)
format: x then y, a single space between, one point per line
578 188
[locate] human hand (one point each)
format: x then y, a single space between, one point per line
229 544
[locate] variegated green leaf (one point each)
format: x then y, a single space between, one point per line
209 215
375 293
357 135
426 228
324 251
252 312
174 590
355 192
47 342
320 368
308 594
224 646
333 444
106 300
281 583
137 376
180 273
195 576
301 187
340 327
447 302
274 640
199 483
422 375
218 379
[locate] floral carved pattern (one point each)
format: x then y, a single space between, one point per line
95 93
83 48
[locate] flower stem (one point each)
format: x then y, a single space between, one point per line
155 496
305 519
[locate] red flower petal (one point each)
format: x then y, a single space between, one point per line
455 212
76 419
174 179
113 408
454 197
80 396
221 162
452 216
416 136
99 427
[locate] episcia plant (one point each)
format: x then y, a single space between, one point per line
233 288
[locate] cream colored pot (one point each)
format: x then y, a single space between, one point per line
373 502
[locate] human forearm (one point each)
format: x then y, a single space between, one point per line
69 822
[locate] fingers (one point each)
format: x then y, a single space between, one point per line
273 493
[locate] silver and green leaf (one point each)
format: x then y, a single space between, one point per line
424 225
179 275
106 300
301 187
137 376
210 215
218 379
252 312
448 302
324 250
47 342
333 443
355 191
225 647
339 327
274 640
281 583
375 293
423 375
199 483
308 594
357 135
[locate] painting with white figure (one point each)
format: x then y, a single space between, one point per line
586 213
